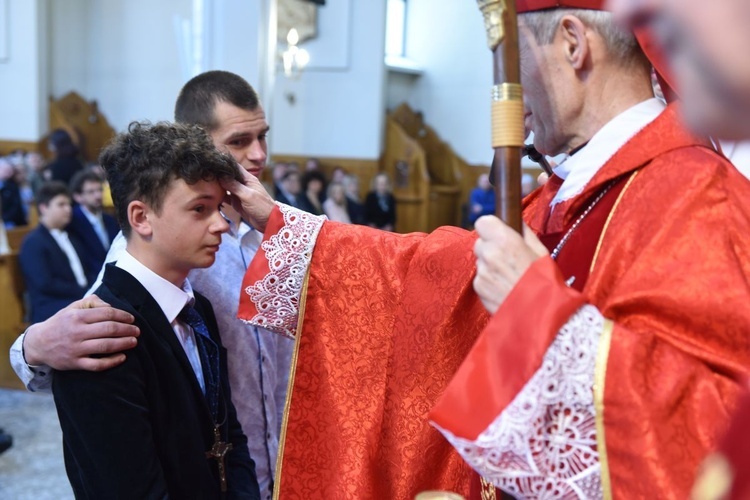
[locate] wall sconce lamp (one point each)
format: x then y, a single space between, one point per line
294 58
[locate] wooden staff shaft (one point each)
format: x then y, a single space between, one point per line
507 159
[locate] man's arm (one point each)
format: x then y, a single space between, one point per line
70 339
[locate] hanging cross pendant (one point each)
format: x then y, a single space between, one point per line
218 452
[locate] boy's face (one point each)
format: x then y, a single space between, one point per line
57 213
186 233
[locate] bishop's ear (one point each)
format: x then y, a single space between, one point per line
575 41
138 218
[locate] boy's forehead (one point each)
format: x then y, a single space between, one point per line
60 198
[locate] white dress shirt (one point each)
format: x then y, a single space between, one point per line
97 222
172 300
61 237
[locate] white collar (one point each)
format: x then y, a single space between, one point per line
88 213
577 170
171 299
58 233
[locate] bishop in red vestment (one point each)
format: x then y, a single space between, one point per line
609 370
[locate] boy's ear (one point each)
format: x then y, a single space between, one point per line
77 197
138 213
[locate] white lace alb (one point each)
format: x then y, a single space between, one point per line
289 251
543 445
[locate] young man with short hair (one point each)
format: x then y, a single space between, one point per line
162 424
50 258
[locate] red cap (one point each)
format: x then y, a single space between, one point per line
534 5
646 40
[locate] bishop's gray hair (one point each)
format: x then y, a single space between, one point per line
620 42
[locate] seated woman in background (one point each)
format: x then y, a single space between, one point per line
313 185
66 163
335 204
353 204
380 205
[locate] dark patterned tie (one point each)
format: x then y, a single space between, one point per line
209 354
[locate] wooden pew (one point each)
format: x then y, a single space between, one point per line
405 162
433 197
84 122
11 319
16 236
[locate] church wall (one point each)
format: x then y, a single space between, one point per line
449 43
134 65
69 47
23 76
336 110
133 56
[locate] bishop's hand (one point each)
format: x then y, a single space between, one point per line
503 256
250 199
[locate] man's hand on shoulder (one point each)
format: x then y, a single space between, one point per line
88 327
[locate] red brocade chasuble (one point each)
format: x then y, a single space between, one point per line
385 322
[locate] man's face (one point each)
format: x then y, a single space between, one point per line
543 114
382 185
186 233
90 196
242 133
484 182
703 42
292 184
57 213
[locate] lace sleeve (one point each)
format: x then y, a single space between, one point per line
276 296
544 444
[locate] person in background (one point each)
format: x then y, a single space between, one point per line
312 165
353 203
38 174
13 211
337 174
94 228
380 205
66 163
313 195
278 171
50 258
481 199
289 190
335 205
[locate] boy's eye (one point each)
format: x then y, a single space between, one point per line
199 208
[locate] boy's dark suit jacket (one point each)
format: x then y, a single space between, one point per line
94 253
142 429
49 278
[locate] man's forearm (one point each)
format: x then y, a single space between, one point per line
36 378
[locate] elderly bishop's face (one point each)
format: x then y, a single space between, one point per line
543 98
707 45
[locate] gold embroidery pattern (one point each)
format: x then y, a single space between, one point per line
488 490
